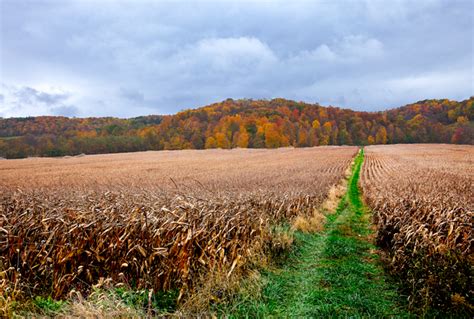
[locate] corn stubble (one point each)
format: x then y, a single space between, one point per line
156 220
422 199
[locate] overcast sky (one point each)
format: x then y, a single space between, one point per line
130 58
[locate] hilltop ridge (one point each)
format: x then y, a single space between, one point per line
240 123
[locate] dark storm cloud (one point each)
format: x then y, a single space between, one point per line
133 58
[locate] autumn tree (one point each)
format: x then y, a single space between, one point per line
210 142
272 136
334 136
462 120
197 141
258 140
313 137
325 134
243 138
343 136
316 125
302 137
222 141
381 136
370 140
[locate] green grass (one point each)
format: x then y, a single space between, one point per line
333 274
161 302
48 305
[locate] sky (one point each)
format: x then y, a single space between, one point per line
132 58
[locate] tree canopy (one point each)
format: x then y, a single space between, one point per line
240 123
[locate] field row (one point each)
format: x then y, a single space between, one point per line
422 198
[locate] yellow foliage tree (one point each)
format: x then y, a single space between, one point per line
86 133
462 120
381 136
370 140
222 141
210 142
243 140
316 125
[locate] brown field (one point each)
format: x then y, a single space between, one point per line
156 220
422 197
218 172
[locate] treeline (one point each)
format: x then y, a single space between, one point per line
240 123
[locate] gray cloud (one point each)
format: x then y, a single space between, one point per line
127 58
65 110
29 95
27 101
132 95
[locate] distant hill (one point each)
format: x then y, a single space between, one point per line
240 123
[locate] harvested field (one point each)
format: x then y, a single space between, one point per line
158 220
422 197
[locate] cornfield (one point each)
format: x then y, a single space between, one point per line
422 197
155 220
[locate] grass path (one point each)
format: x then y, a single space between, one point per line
333 274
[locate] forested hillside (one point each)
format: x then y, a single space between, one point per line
240 123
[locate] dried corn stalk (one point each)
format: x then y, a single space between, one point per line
155 220
422 197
